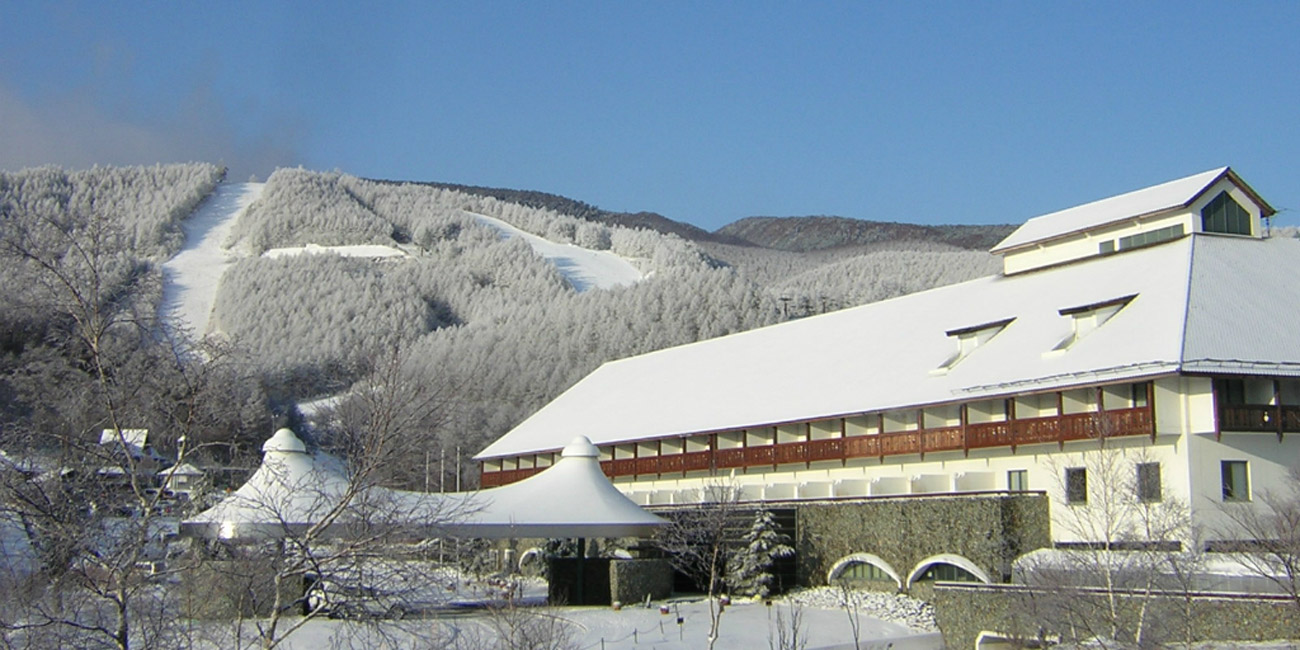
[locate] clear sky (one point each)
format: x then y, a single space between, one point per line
706 112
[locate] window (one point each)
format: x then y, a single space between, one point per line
1232 391
1107 247
1018 480
1223 214
969 338
1140 395
1151 237
1148 482
948 573
1076 486
864 571
1086 318
1236 480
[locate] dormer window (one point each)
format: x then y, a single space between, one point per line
970 338
1087 318
1224 214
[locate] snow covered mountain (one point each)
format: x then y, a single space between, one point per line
314 277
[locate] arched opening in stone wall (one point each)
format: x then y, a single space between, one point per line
863 569
949 568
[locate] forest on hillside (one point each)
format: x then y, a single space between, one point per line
82 348
485 328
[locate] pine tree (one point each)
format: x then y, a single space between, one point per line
750 567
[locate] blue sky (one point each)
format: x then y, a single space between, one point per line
929 112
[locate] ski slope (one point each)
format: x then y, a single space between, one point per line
369 251
190 278
582 267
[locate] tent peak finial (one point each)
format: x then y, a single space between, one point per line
580 447
284 440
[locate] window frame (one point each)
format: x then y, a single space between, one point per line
1076 486
1234 477
1149 487
1020 482
1231 216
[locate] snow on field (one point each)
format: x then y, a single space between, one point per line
748 625
356 250
582 267
190 278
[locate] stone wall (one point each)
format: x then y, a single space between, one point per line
228 589
631 581
988 530
573 581
963 611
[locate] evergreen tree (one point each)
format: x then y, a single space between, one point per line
749 571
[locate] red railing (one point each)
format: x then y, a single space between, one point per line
1062 428
493 479
694 461
672 463
829 449
726 458
1259 417
649 465
862 446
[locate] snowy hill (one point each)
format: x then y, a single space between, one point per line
190 278
312 277
583 268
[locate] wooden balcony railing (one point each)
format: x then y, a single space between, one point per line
1259 417
1010 433
493 479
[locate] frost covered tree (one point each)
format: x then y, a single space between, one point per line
1273 528
696 543
749 570
1133 544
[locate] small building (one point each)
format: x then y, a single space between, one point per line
182 479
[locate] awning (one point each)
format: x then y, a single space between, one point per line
294 491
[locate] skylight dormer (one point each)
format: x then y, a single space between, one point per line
1223 214
1215 201
968 339
1085 319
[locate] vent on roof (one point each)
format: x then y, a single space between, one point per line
1086 318
970 338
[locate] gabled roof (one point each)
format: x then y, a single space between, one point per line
880 356
1152 200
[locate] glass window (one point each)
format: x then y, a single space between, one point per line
948 573
1151 237
1107 247
1018 480
1223 214
1236 480
1076 486
864 571
1232 391
1148 482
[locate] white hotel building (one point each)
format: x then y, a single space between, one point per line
1165 319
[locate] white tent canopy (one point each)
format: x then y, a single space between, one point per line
294 491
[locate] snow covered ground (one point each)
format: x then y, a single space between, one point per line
190 278
357 250
584 268
746 624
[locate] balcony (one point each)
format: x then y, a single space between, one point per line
1259 417
1010 433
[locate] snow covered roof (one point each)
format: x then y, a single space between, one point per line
1203 303
293 490
1152 200
135 439
184 469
